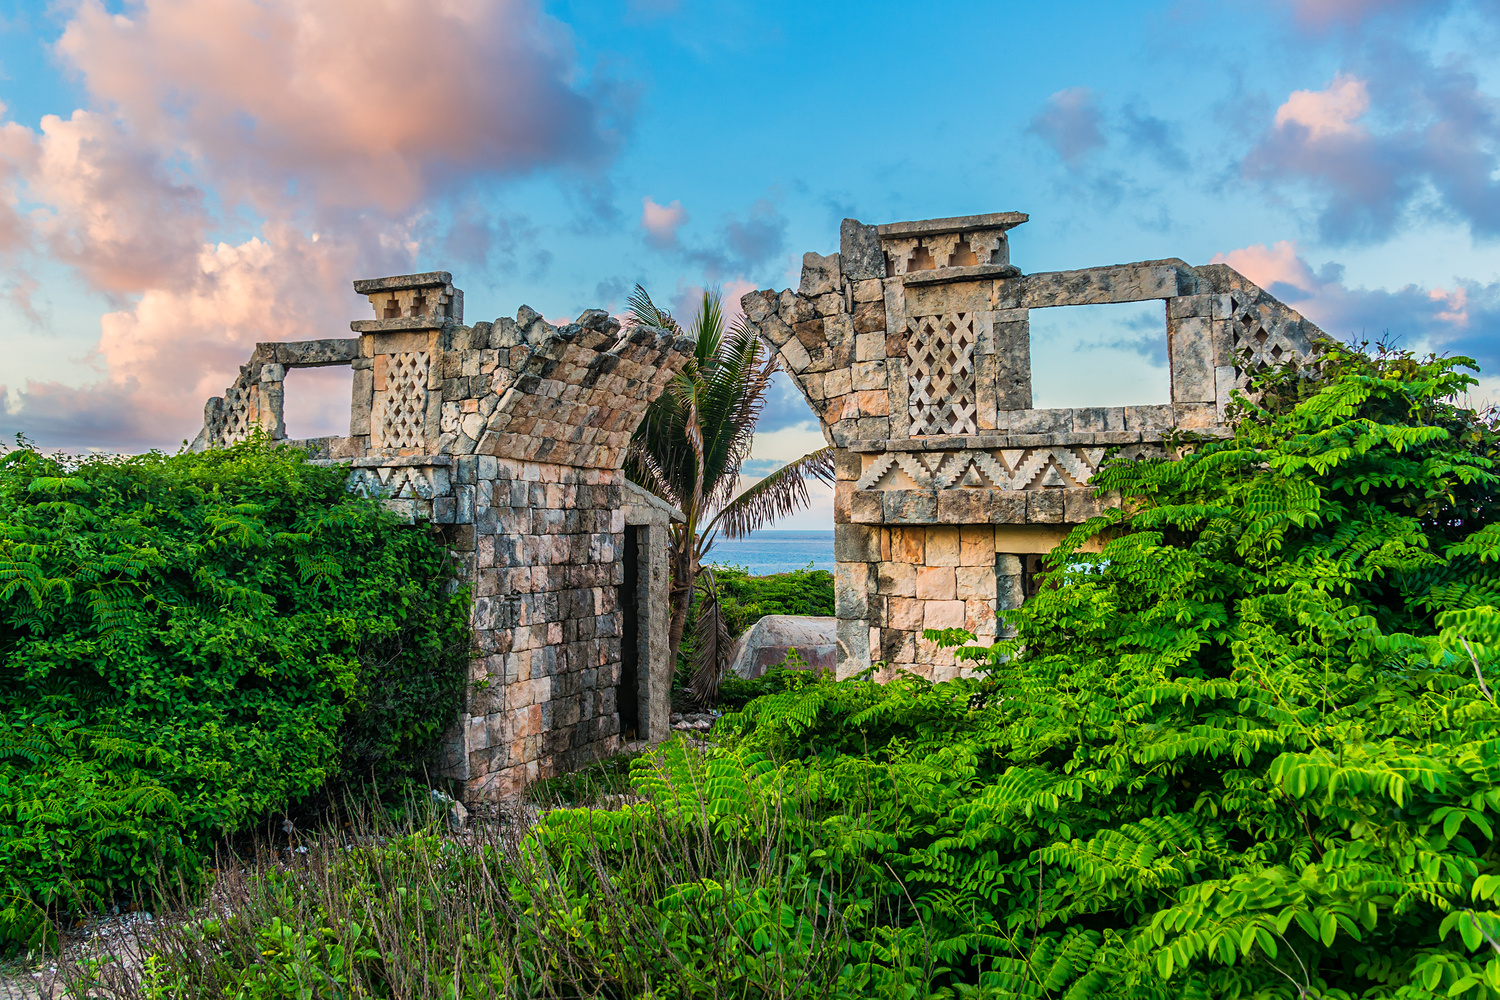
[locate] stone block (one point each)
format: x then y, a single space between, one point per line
829 304
851 590
943 614
869 290
1099 419
1041 421
976 544
936 583
869 346
909 506
1148 418
1044 506
856 543
908 545
866 507
1079 504
943 546
975 582
870 375
860 255
896 579
853 647
869 317
758 305
1191 349
873 402
820 274
1195 416
838 383
961 506
794 355
847 465
905 613
775 330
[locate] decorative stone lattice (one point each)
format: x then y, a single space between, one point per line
404 414
1260 339
235 414
940 374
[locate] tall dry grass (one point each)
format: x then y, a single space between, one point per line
640 900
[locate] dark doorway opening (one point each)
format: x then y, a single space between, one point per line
628 694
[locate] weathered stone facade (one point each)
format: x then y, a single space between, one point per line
510 436
912 345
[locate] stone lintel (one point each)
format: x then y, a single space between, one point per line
312 353
947 275
958 224
644 507
397 282
1142 281
400 323
399 461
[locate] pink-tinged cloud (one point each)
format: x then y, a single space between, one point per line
175 347
661 222
1435 148
1462 320
358 102
1330 112
106 204
1324 13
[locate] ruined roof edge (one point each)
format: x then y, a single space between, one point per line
365 286
933 227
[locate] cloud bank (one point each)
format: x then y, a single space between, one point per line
306 117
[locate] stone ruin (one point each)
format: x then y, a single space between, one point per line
912 345
509 437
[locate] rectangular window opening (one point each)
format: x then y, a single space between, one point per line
1102 355
315 401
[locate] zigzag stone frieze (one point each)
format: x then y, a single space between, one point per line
1005 468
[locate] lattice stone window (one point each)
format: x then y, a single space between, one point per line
940 374
235 415
1259 341
404 413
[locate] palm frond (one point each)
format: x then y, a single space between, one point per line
782 492
644 312
713 642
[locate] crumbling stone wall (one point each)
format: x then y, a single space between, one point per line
510 436
912 346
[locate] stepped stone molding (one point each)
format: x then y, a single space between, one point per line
912 346
508 437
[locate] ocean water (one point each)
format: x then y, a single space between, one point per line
771 551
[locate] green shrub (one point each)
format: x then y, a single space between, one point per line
191 642
1249 749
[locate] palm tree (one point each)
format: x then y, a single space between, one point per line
688 450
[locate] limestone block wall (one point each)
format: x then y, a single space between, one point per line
510 437
912 346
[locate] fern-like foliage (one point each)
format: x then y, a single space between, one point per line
1249 747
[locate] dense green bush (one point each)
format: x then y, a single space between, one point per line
1249 749
746 599
191 642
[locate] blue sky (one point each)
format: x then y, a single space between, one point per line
182 178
